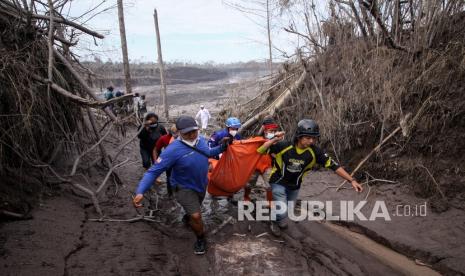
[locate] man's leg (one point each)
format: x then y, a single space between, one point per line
168 183
190 201
146 159
266 183
251 184
279 195
291 196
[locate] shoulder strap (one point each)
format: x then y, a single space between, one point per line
196 149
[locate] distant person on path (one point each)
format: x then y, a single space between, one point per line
119 93
292 161
148 136
135 104
142 106
188 159
108 94
203 116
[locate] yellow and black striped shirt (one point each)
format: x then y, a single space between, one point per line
290 164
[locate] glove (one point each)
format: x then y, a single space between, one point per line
137 200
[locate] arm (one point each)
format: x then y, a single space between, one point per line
325 160
344 174
215 151
264 148
212 142
165 162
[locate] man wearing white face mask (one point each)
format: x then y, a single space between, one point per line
188 159
231 131
263 168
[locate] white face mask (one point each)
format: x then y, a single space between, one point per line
233 132
269 135
190 143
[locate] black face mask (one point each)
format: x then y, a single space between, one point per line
154 125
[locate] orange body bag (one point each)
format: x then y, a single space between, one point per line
232 172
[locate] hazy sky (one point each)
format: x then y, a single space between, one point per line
191 30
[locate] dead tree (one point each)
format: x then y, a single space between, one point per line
124 47
161 66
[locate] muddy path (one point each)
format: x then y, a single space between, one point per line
62 239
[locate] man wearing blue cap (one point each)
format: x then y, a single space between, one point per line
188 158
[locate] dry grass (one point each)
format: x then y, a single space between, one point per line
361 89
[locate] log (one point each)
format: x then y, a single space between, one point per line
277 103
80 100
14 9
83 83
69 23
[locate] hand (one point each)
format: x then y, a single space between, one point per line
137 200
280 134
225 140
356 186
277 138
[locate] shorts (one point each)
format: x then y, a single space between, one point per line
190 200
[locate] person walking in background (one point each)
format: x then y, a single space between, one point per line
149 134
135 104
188 159
108 94
203 116
142 106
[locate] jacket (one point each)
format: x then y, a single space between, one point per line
189 167
217 136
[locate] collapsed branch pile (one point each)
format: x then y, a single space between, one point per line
47 110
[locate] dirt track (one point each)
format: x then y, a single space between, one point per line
61 240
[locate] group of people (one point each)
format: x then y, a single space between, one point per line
186 156
138 104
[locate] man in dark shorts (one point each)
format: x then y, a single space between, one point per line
188 159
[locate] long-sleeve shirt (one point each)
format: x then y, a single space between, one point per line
148 138
163 142
217 136
189 167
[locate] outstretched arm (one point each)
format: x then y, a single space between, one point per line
344 174
263 148
161 164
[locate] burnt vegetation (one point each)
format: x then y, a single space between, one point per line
372 69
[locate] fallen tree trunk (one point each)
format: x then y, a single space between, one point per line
80 100
277 103
87 89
